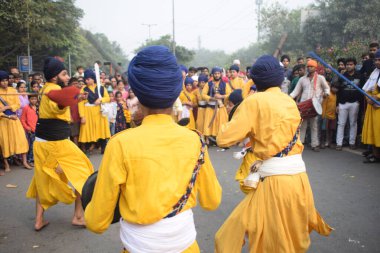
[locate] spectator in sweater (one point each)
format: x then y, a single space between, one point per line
29 121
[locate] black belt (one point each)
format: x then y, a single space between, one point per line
52 129
202 106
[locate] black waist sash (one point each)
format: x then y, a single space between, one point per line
52 129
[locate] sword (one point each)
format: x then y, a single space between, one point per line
314 55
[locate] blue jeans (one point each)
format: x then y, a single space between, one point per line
30 137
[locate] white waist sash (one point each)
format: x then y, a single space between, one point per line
38 139
170 235
288 165
202 102
211 102
88 104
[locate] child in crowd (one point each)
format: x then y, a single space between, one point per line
123 116
328 113
74 111
35 87
29 121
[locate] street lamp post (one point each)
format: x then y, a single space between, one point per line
173 44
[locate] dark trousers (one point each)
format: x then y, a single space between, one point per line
31 137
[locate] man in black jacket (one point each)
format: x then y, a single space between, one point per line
348 99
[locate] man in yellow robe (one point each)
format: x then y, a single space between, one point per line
201 103
94 125
188 102
236 82
215 92
151 170
371 127
58 161
280 214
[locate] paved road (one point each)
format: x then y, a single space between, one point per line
346 191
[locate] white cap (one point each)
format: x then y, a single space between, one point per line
195 78
236 62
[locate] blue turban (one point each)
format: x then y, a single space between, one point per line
216 69
203 78
189 80
267 72
235 67
155 77
236 96
377 54
183 68
89 73
4 75
52 67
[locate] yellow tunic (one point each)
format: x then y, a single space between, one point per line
96 126
280 214
329 107
201 110
371 127
12 135
51 187
221 114
150 167
247 88
187 97
236 83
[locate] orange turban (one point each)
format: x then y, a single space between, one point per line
312 63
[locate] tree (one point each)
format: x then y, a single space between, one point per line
183 54
52 28
343 21
276 20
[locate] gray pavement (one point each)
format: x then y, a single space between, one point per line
346 192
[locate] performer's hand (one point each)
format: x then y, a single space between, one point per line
83 120
14 117
82 96
218 96
98 101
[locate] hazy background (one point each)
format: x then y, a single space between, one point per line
213 24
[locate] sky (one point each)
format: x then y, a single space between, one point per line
213 24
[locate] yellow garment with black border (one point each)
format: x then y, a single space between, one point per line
51 187
96 126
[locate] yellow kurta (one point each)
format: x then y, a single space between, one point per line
237 83
371 127
201 110
12 135
247 88
96 126
221 114
51 187
280 214
187 97
150 167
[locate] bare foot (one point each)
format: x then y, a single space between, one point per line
40 225
7 168
2 173
78 221
27 166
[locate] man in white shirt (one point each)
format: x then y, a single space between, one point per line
310 86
